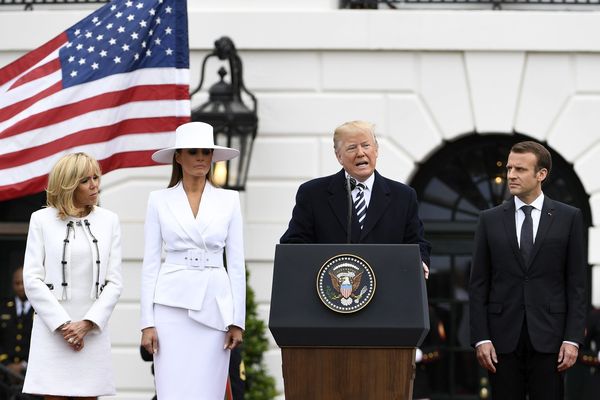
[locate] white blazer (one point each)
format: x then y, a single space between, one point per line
43 268
214 296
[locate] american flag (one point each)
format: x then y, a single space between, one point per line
115 85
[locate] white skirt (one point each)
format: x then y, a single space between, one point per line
54 368
190 363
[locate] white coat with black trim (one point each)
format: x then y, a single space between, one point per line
43 277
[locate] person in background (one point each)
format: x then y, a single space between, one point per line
148 357
237 375
16 318
583 380
428 356
72 277
193 305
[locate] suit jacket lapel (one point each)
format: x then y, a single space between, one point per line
338 202
380 200
546 219
510 228
208 202
181 210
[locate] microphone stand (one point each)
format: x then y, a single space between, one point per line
350 185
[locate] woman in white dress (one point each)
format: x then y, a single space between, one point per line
193 303
72 277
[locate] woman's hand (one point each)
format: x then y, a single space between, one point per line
74 332
150 340
233 337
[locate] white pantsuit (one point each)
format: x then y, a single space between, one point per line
191 289
68 278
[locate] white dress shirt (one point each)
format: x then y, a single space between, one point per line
367 190
22 307
536 213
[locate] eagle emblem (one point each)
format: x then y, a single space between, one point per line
346 283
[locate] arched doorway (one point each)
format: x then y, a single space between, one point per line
459 180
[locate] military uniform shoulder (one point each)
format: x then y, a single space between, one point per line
7 302
7 306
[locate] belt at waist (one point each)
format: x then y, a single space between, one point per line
195 258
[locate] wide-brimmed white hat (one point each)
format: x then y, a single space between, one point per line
195 135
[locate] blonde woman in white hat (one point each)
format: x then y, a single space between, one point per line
193 309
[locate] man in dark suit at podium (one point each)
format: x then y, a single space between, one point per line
384 211
527 287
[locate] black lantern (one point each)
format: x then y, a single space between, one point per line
234 124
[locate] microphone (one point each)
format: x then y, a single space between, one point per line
350 185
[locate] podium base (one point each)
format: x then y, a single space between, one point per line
348 373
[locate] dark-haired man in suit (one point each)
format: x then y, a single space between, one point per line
385 211
527 287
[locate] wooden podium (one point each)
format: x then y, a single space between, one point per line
367 354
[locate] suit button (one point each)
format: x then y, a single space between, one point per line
19 337
17 348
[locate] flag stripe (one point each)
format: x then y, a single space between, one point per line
38 183
125 143
16 108
89 136
30 59
37 73
26 90
81 92
94 119
106 100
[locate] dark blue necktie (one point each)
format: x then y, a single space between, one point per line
526 239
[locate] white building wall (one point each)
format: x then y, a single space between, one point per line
422 77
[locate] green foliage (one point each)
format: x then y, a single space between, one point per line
259 385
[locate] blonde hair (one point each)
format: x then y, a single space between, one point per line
63 180
350 127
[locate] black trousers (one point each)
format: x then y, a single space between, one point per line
527 372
